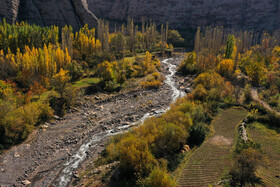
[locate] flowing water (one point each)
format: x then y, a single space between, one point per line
81 154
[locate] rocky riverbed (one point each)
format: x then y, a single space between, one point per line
53 153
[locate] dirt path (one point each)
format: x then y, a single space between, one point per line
46 155
255 96
209 161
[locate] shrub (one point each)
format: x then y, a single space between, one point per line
111 86
154 81
244 168
226 67
135 156
169 140
247 93
188 65
210 80
200 115
178 118
75 70
199 93
159 178
198 133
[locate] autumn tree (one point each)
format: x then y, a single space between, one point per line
226 67
135 156
60 81
67 38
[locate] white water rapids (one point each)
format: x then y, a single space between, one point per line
81 154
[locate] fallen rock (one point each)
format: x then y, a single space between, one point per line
44 126
26 182
56 117
186 148
96 171
182 81
16 155
97 98
188 90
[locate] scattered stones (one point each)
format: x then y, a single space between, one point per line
243 132
75 175
97 98
188 90
97 171
16 155
56 117
44 126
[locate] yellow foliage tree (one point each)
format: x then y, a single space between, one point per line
60 81
226 67
135 156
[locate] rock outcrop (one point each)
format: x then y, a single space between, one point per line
181 14
9 9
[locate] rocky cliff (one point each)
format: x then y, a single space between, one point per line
181 14
48 12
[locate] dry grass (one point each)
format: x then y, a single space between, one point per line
209 161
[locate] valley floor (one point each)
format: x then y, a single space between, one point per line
44 156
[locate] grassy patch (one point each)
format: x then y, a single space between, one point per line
86 82
269 140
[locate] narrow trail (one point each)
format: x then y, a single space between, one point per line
57 150
209 161
255 96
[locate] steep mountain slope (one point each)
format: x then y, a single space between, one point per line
181 14
48 12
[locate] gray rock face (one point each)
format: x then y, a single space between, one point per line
181 14
48 12
9 9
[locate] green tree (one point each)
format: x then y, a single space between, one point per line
245 166
175 38
230 47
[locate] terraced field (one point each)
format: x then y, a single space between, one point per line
270 144
211 159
